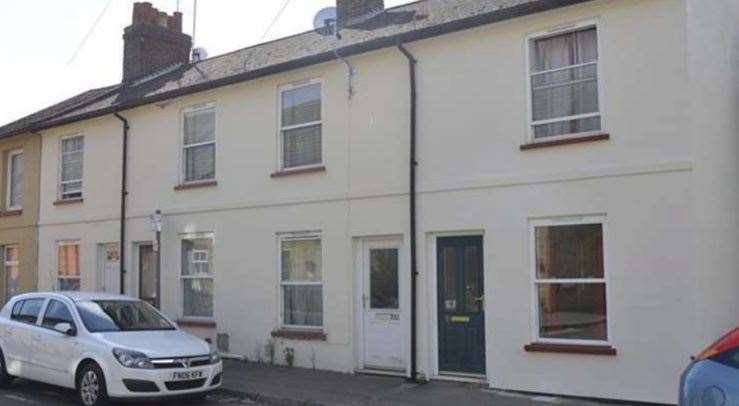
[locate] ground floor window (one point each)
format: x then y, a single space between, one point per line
301 281
11 264
569 282
197 276
68 272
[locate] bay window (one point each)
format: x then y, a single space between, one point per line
564 84
569 282
68 271
301 281
197 277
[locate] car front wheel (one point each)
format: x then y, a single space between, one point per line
91 388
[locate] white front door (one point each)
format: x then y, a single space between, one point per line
109 268
382 307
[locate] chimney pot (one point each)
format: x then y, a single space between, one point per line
355 11
153 41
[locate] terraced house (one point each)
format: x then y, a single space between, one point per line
536 194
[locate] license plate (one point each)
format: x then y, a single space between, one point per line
187 376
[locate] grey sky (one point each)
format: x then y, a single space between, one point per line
38 38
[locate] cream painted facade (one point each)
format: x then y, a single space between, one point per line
664 184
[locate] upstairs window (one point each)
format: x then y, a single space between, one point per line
72 160
301 125
564 84
199 144
14 181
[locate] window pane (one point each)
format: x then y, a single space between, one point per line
200 127
11 254
69 284
198 299
15 198
565 93
566 50
73 144
302 146
449 258
303 305
573 311
69 260
200 163
72 166
301 105
301 261
384 278
197 257
12 272
30 310
473 289
569 252
567 127
56 312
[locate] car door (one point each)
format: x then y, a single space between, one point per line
58 350
25 340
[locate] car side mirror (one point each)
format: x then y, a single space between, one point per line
66 328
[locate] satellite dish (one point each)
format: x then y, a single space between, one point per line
326 21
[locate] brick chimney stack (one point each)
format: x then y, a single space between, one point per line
355 11
153 41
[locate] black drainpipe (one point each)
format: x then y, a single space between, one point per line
124 194
413 163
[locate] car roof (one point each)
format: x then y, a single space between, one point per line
77 296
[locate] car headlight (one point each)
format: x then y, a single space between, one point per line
215 357
132 359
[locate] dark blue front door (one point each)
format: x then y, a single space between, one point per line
461 305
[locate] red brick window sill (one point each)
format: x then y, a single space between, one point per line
197 323
571 349
293 172
566 141
63 202
196 185
300 335
11 213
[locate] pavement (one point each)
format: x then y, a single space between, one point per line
282 386
265 385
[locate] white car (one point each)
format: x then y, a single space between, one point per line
103 346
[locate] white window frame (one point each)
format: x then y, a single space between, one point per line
306 236
535 281
211 275
9 180
528 50
61 168
183 161
280 129
7 263
57 276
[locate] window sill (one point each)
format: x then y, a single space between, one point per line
566 141
290 172
300 335
63 202
196 185
196 323
11 213
571 349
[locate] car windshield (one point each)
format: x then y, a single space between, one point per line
102 316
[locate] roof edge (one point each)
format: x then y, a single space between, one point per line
503 14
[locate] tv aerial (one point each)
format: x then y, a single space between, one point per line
326 22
